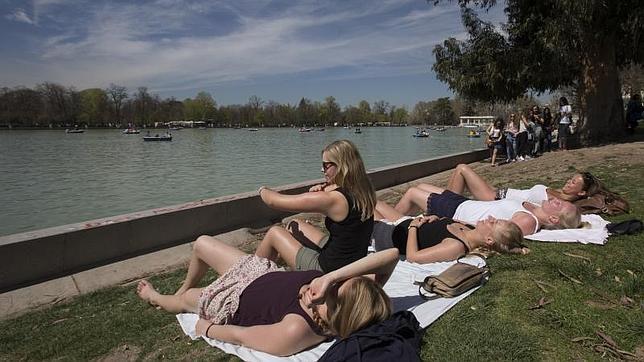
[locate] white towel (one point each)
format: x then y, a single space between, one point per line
596 234
400 288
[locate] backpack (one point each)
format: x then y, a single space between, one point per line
453 281
603 202
397 339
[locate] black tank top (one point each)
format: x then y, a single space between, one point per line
269 298
429 234
348 240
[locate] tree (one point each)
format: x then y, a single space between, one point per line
201 108
330 111
549 44
400 115
58 102
117 94
365 111
442 111
142 105
93 106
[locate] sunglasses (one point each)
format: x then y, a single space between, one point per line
327 165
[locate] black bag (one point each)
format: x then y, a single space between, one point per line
628 227
454 281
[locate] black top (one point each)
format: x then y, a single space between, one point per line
269 298
429 234
348 240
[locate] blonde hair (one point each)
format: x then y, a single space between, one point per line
361 304
508 239
352 176
567 220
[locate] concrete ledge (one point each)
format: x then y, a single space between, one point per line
33 257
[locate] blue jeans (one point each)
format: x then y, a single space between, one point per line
510 146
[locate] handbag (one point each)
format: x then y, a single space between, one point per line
453 281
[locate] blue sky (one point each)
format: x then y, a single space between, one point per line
277 50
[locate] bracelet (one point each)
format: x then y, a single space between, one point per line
208 329
260 189
412 226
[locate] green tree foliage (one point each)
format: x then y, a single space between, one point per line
546 45
94 106
202 107
443 112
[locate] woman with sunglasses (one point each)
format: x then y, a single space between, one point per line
254 303
347 199
579 186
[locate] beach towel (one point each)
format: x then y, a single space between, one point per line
595 234
400 287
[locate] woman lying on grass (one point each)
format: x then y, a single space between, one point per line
256 304
579 186
431 239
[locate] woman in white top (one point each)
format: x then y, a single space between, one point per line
553 213
579 186
565 118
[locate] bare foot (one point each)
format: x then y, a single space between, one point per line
146 291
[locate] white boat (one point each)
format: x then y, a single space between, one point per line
304 129
131 131
253 129
75 130
421 133
163 137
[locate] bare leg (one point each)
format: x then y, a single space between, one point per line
304 232
278 241
387 212
464 177
208 252
415 198
494 157
185 302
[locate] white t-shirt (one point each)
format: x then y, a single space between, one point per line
472 211
536 194
565 110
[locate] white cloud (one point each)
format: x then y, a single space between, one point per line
152 44
20 15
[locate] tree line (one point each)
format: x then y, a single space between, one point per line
53 105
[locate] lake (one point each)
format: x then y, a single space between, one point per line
51 178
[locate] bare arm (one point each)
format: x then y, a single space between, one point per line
448 249
526 223
332 204
381 264
285 338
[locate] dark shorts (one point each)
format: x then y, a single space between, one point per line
445 204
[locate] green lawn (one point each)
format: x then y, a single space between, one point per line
588 291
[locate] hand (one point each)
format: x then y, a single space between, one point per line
417 222
202 326
316 188
318 289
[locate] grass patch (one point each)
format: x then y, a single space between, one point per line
494 323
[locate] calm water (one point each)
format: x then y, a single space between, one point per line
50 178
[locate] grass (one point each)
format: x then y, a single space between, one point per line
495 323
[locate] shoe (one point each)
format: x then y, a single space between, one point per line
520 158
527 157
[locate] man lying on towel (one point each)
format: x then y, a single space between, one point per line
551 214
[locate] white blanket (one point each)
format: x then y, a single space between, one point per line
596 234
400 288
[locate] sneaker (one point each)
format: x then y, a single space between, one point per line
527 157
520 158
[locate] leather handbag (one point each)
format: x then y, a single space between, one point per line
453 281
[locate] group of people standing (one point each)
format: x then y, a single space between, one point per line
332 287
530 133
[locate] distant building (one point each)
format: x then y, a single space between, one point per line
475 121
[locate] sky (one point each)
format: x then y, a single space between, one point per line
276 50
